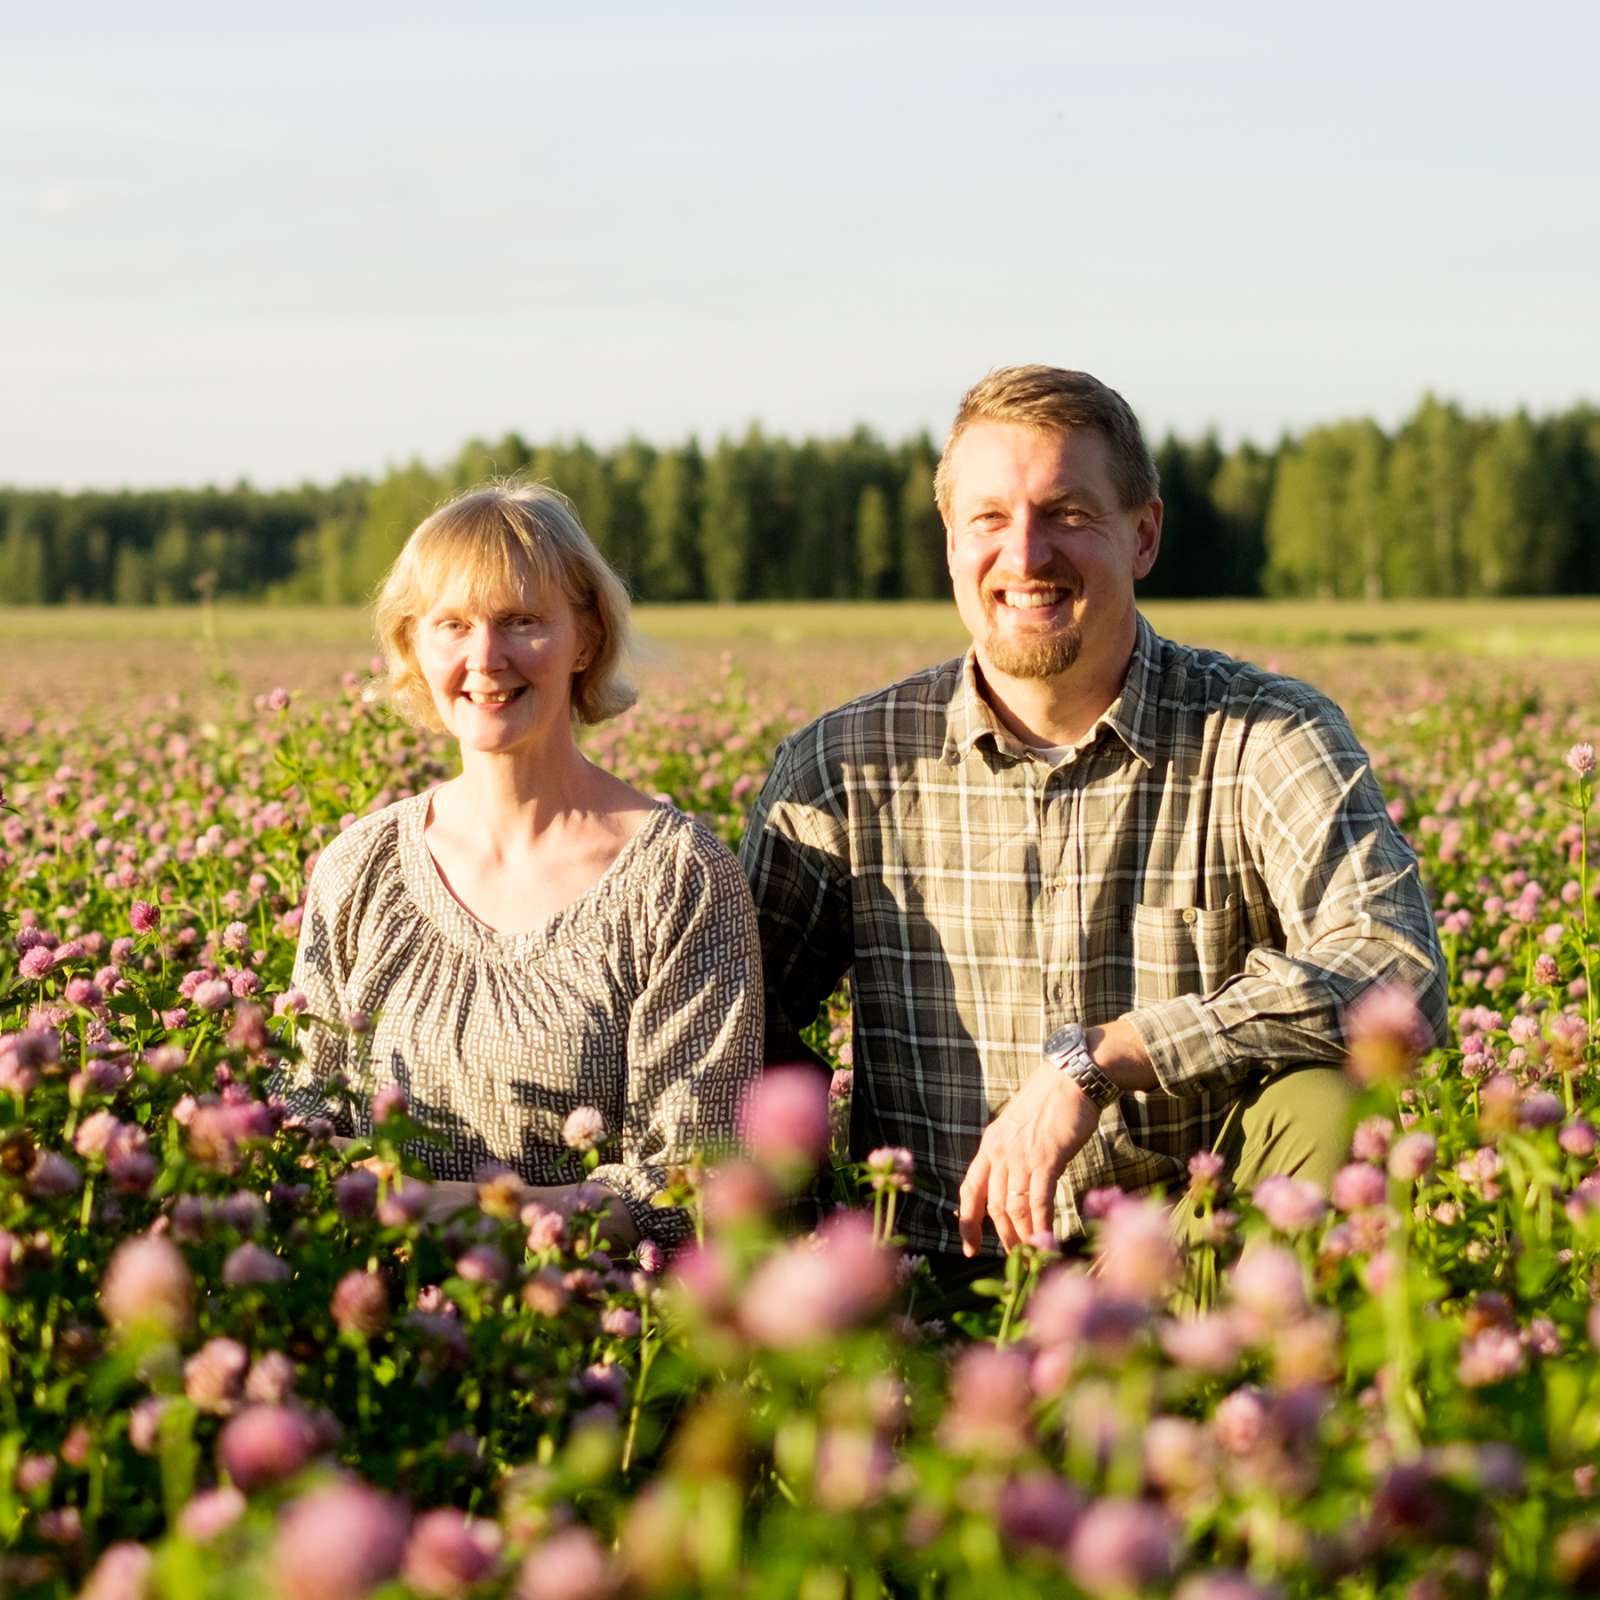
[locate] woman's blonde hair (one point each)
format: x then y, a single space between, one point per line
485 546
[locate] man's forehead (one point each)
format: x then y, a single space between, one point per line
993 458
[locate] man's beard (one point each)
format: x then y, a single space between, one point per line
1045 657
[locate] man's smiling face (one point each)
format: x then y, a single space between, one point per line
1042 555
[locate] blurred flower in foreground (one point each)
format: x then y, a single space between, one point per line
1136 1252
584 1129
338 1543
569 1565
1291 1205
1122 1547
1384 1034
819 1286
266 1444
147 1284
123 1572
785 1119
449 1552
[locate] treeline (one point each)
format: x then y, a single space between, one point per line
1450 504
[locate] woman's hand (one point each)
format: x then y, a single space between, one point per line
448 1198
617 1231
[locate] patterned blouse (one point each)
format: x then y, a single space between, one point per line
642 998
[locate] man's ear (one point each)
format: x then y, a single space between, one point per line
1148 530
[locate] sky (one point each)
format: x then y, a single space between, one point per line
298 242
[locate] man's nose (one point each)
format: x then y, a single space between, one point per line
1028 547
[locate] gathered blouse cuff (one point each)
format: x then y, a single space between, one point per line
637 1188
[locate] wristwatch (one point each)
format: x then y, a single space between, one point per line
1068 1048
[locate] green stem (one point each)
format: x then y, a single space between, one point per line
647 1355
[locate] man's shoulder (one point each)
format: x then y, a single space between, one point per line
1208 683
903 719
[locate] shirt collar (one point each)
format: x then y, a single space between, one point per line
1132 716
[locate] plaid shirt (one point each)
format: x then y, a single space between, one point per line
1212 861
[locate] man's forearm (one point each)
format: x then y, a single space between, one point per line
1119 1052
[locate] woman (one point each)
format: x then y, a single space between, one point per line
535 935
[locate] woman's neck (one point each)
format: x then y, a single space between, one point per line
509 801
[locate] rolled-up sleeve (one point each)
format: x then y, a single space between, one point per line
694 1032
1345 890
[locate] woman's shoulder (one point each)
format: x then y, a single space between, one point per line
685 874
369 842
676 844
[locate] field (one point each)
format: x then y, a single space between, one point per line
232 1363
73 656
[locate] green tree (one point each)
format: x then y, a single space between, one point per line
130 582
1428 494
922 564
24 574
725 524
396 504
1241 492
630 472
1514 536
672 568
875 552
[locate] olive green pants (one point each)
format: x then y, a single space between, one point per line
1296 1122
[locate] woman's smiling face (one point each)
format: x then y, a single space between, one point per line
500 672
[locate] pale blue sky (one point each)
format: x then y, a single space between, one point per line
309 239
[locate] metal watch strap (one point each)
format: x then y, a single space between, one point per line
1068 1048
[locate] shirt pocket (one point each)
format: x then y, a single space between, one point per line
1180 950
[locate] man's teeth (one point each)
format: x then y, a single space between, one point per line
498 698
1030 599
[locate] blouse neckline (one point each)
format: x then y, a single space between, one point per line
441 908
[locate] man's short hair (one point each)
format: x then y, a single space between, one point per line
1053 400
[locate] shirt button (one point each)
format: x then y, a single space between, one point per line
1189 915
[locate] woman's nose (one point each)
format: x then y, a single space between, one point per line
484 650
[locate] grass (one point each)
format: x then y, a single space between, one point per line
1565 629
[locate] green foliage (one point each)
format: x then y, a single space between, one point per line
1451 505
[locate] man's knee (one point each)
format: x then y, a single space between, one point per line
1298 1123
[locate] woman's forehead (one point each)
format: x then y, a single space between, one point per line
488 593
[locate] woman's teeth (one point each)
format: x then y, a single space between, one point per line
498 698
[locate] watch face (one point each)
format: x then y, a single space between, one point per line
1064 1040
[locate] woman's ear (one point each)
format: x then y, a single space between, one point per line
588 638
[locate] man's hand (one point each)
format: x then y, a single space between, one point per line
1025 1149
1043 1126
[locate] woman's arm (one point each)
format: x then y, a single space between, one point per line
320 973
694 1035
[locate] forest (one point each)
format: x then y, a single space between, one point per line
1450 503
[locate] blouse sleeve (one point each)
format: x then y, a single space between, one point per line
694 1033
321 967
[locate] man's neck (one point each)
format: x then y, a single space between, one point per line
1049 712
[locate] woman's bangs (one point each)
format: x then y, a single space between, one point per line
481 569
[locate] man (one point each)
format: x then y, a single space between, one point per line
1078 823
